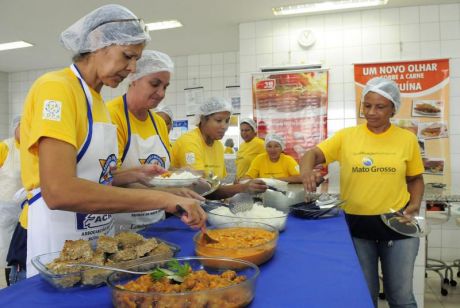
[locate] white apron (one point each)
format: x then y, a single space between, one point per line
10 182
139 151
48 229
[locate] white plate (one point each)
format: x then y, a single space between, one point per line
166 182
429 114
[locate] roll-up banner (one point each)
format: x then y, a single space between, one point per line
424 108
292 104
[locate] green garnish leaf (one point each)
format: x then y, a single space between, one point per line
174 271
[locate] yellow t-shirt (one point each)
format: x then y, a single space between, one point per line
3 153
263 167
55 107
246 154
144 129
373 167
229 150
190 150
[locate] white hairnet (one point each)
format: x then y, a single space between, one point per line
151 62
165 109
110 24
14 123
385 87
214 105
276 138
249 122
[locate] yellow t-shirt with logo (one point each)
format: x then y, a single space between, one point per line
373 167
144 129
246 154
190 150
263 167
55 107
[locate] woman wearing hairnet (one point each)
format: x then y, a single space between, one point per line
274 163
229 144
250 148
167 115
380 171
10 183
200 148
69 146
142 134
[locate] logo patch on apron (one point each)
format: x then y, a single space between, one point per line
106 177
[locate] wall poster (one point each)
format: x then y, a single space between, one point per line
424 87
292 104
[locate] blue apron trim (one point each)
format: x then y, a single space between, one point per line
88 138
90 123
34 198
128 142
23 203
159 136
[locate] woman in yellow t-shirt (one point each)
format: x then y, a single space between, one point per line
200 149
142 135
69 145
380 172
250 148
274 163
167 115
229 144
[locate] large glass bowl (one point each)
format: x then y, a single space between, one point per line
258 254
238 295
278 221
90 277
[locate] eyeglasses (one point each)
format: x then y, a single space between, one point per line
139 20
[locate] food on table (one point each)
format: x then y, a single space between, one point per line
173 284
111 251
183 175
258 213
253 244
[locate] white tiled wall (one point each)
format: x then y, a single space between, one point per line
212 71
4 106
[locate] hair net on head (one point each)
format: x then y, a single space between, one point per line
165 109
151 62
276 138
249 122
385 87
108 25
14 123
229 143
213 105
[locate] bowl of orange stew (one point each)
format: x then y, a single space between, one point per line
224 283
246 240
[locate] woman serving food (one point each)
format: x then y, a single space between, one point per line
380 172
69 146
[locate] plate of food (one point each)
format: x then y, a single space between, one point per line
431 130
175 179
427 108
124 250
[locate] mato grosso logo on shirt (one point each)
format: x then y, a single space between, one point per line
368 166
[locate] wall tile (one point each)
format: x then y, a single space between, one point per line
429 13
430 49
370 18
410 33
247 30
449 12
409 15
264 45
264 29
450 30
430 31
389 17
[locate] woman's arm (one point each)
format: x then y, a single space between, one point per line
416 187
310 159
251 186
294 179
63 190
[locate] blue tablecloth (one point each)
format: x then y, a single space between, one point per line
315 265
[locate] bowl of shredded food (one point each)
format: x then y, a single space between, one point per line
175 179
250 241
187 282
